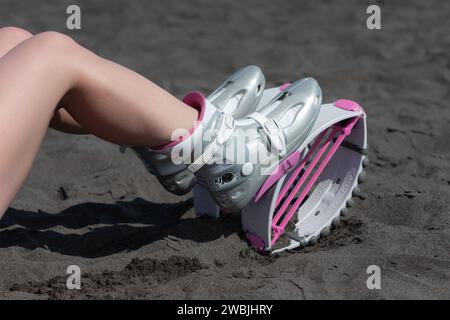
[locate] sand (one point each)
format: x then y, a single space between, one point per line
86 204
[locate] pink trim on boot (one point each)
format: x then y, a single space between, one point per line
348 105
284 86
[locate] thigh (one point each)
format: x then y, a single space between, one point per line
31 85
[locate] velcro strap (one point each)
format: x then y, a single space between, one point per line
272 132
209 153
223 133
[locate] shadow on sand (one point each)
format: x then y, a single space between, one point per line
96 230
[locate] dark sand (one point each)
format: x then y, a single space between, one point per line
86 204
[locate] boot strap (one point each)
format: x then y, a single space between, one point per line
224 132
272 133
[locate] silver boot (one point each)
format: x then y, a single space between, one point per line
237 96
271 135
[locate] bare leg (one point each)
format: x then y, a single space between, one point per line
63 121
10 37
118 105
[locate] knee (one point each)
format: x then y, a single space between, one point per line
14 35
55 41
55 48
57 52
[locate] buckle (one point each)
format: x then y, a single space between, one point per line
272 132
